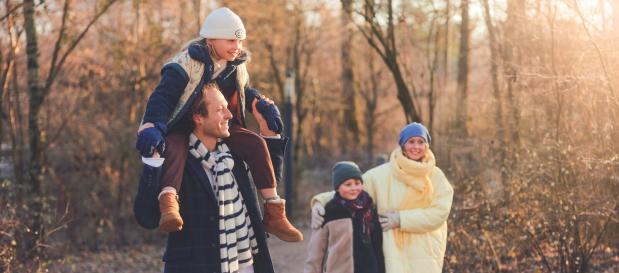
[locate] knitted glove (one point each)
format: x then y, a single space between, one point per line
271 114
318 213
151 139
389 220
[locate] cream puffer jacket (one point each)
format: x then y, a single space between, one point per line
427 226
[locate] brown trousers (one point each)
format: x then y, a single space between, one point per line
249 146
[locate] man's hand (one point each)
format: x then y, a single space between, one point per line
266 108
270 113
265 130
389 220
151 139
318 213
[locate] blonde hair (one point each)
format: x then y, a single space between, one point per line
242 76
199 40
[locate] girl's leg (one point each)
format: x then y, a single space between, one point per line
175 155
252 149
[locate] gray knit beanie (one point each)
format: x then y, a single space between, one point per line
222 23
343 171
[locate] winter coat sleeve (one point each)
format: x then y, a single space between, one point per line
369 184
430 218
316 250
322 198
163 100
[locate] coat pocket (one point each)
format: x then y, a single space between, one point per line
146 204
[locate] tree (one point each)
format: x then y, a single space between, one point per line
38 91
383 40
350 130
463 72
494 74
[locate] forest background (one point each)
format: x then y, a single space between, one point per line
521 98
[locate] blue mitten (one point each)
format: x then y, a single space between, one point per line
271 114
151 139
251 95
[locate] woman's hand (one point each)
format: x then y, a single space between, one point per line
389 220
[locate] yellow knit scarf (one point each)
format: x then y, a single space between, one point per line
415 175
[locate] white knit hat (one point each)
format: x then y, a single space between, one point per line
222 23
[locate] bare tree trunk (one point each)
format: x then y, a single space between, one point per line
515 19
37 93
463 72
35 168
370 96
350 131
301 57
446 41
433 48
385 46
495 85
11 92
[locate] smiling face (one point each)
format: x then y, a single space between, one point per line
227 50
213 122
415 148
350 189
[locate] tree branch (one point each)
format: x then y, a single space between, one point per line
74 43
597 50
13 9
61 35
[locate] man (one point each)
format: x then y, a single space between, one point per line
216 198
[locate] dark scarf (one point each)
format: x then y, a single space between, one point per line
362 206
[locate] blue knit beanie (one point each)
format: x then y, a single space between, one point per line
414 130
343 171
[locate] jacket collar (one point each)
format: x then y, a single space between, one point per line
199 52
196 168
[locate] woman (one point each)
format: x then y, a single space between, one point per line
413 198
216 57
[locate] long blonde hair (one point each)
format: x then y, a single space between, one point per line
242 76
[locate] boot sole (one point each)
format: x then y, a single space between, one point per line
286 238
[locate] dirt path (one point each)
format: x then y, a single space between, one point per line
287 258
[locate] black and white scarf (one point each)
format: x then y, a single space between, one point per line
236 235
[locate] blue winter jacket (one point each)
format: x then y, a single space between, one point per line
164 98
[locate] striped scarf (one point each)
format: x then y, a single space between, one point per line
237 242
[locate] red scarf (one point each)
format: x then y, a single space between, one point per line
362 206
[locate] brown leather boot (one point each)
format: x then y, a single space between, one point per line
171 220
276 223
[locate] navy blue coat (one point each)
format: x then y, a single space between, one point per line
196 247
164 98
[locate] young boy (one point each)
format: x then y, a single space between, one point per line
350 237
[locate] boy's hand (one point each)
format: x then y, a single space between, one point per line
266 126
151 139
